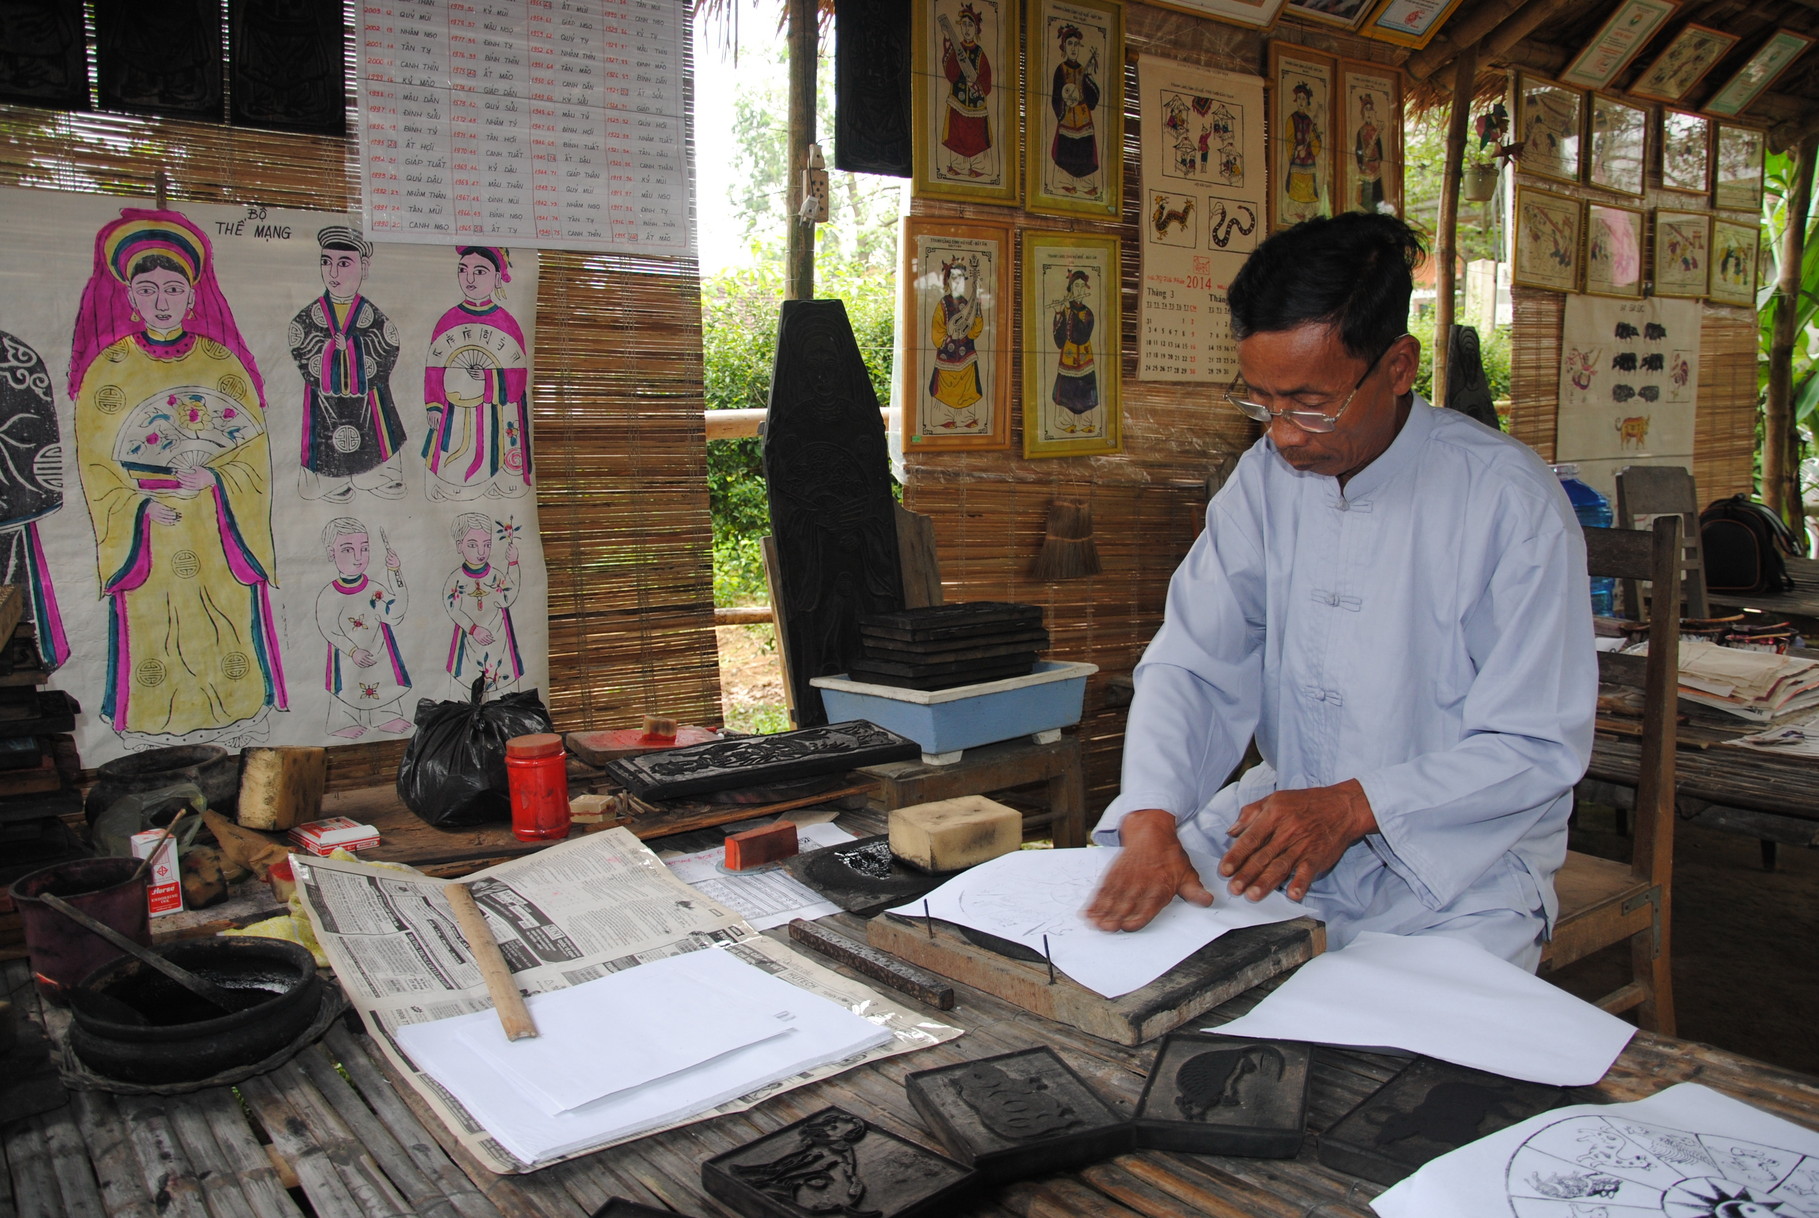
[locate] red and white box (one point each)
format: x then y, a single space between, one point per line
324 837
164 878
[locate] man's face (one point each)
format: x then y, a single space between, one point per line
350 552
342 273
969 29
476 546
1308 368
1070 50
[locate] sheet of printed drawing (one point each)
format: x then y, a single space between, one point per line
1629 381
266 482
1203 210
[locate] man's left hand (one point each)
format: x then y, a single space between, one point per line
1294 836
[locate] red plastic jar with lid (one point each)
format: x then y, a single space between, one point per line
536 769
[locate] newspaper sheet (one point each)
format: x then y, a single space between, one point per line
562 916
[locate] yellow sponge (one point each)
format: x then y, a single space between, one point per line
950 834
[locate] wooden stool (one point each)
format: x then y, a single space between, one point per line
995 767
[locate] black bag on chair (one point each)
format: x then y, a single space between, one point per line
1744 545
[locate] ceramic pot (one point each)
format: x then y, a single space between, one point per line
1478 184
209 766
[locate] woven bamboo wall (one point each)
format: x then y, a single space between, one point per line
621 450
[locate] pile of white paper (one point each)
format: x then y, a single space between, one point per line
633 1051
1749 684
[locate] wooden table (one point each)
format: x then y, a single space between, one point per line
1800 606
998 767
356 1144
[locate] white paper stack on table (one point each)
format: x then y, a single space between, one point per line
1756 685
634 1050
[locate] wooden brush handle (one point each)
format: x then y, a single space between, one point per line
514 1016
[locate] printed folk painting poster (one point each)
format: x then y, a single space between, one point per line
1076 109
270 483
1629 378
1205 203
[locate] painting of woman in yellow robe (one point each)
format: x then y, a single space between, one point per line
175 462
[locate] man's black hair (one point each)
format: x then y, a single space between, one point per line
1353 272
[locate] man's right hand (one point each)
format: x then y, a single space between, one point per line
1149 872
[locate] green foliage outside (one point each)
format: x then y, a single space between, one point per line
1776 184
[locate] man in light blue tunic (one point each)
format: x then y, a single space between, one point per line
1393 599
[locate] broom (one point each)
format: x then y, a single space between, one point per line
1067 550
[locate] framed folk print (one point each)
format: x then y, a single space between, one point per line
1683 245
1075 108
1685 62
955 367
1547 240
1301 146
1613 250
1369 114
1733 277
1256 14
1774 57
1072 344
1346 14
1624 33
1686 152
1549 119
1616 144
1408 23
1737 176
963 100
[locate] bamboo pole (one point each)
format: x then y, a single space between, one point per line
1780 442
799 254
1446 244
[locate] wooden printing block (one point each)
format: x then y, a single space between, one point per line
1428 1109
944 622
619 1207
1224 1095
599 747
969 669
863 877
756 847
985 647
750 761
835 1163
965 674
1017 1115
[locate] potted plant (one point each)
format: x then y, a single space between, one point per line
1484 160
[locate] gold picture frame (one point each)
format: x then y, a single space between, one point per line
958 334
1550 122
1073 353
1074 108
1683 243
1737 168
1614 264
1300 86
1408 23
1686 152
1616 145
1618 41
1694 51
964 93
1346 14
1735 252
1367 108
1761 70
1549 231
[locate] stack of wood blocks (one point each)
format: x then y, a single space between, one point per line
947 645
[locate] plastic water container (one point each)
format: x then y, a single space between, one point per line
1594 511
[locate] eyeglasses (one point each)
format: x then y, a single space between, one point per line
1306 420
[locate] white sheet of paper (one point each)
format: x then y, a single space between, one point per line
1027 894
822 1032
768 897
1685 1151
688 1008
1444 997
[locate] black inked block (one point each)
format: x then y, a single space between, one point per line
1224 1095
943 623
835 1163
1017 1115
750 761
286 61
619 1207
159 58
872 87
863 877
1428 1109
45 64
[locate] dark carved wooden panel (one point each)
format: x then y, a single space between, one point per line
749 761
160 58
947 623
863 876
1467 390
288 65
834 1163
832 516
1430 1108
872 87
1017 1115
43 61
1221 1095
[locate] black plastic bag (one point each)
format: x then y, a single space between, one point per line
453 772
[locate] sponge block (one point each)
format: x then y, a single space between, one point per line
755 847
950 834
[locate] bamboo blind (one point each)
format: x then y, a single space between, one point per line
617 399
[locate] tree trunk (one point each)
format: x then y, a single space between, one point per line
1780 438
799 256
1446 242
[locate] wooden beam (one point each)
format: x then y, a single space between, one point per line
1780 442
1465 31
799 253
1521 24
1446 245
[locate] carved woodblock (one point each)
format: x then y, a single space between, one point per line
749 761
984 647
943 622
45 63
863 876
619 1207
1222 1095
287 65
159 58
1428 1109
832 517
834 1163
1017 1115
872 87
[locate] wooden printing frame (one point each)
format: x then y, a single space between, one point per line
1634 21
1684 183
1043 19
934 177
1725 191
1740 92
1561 168
1412 23
1389 130
1747 248
1637 222
1522 269
1046 280
1717 42
1680 286
923 290
1589 148
1285 60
